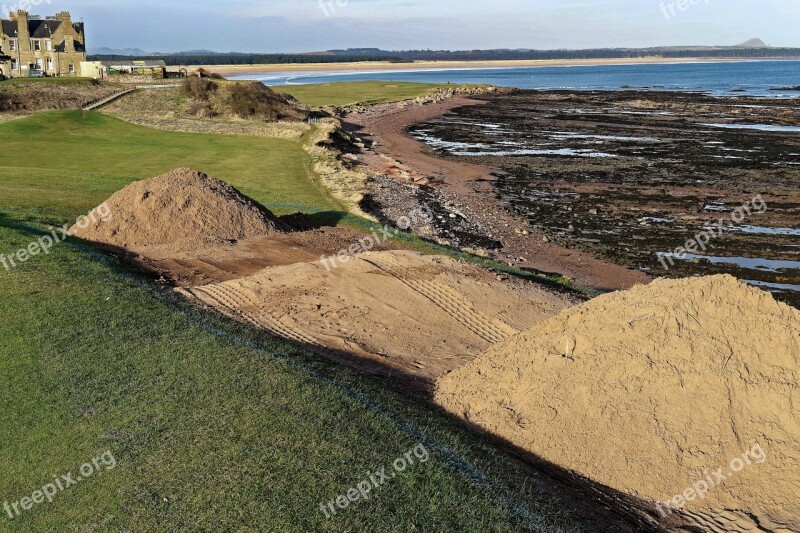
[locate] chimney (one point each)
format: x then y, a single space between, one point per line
23 35
64 16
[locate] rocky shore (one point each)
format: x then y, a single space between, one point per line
597 186
470 216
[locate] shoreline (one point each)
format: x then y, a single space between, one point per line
471 187
584 218
372 66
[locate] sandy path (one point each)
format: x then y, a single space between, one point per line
387 125
402 314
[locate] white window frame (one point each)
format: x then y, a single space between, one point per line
37 45
71 68
12 45
39 64
48 45
14 65
50 65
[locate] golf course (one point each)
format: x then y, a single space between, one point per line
214 425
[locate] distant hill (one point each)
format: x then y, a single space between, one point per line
753 43
752 49
138 52
197 52
505 53
104 51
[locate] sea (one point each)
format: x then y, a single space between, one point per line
743 78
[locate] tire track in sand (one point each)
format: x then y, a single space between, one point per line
233 302
449 301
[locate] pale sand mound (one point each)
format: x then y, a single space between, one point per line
401 310
182 209
650 391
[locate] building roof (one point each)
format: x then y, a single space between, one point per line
134 63
37 28
8 27
42 29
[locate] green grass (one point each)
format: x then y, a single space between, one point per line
345 93
208 432
72 162
214 426
68 162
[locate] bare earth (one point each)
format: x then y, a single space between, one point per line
402 314
386 126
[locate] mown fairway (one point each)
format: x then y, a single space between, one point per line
344 93
70 161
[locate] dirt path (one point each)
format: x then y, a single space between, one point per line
386 126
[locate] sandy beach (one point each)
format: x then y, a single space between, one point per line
367 66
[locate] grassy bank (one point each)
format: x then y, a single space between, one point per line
347 93
73 161
37 94
212 426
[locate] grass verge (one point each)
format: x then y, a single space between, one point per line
356 92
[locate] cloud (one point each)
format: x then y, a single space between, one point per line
302 25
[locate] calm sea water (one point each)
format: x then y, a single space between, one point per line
754 78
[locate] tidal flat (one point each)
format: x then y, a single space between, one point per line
633 175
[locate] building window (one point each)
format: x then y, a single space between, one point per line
37 46
50 65
48 45
14 65
39 64
72 69
12 45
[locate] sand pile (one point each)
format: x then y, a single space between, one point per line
418 314
652 391
182 209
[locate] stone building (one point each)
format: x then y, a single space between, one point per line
53 46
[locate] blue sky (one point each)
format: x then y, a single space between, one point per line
309 25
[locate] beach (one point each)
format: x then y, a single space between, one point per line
470 187
606 186
367 66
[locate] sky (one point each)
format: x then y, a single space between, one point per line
313 25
